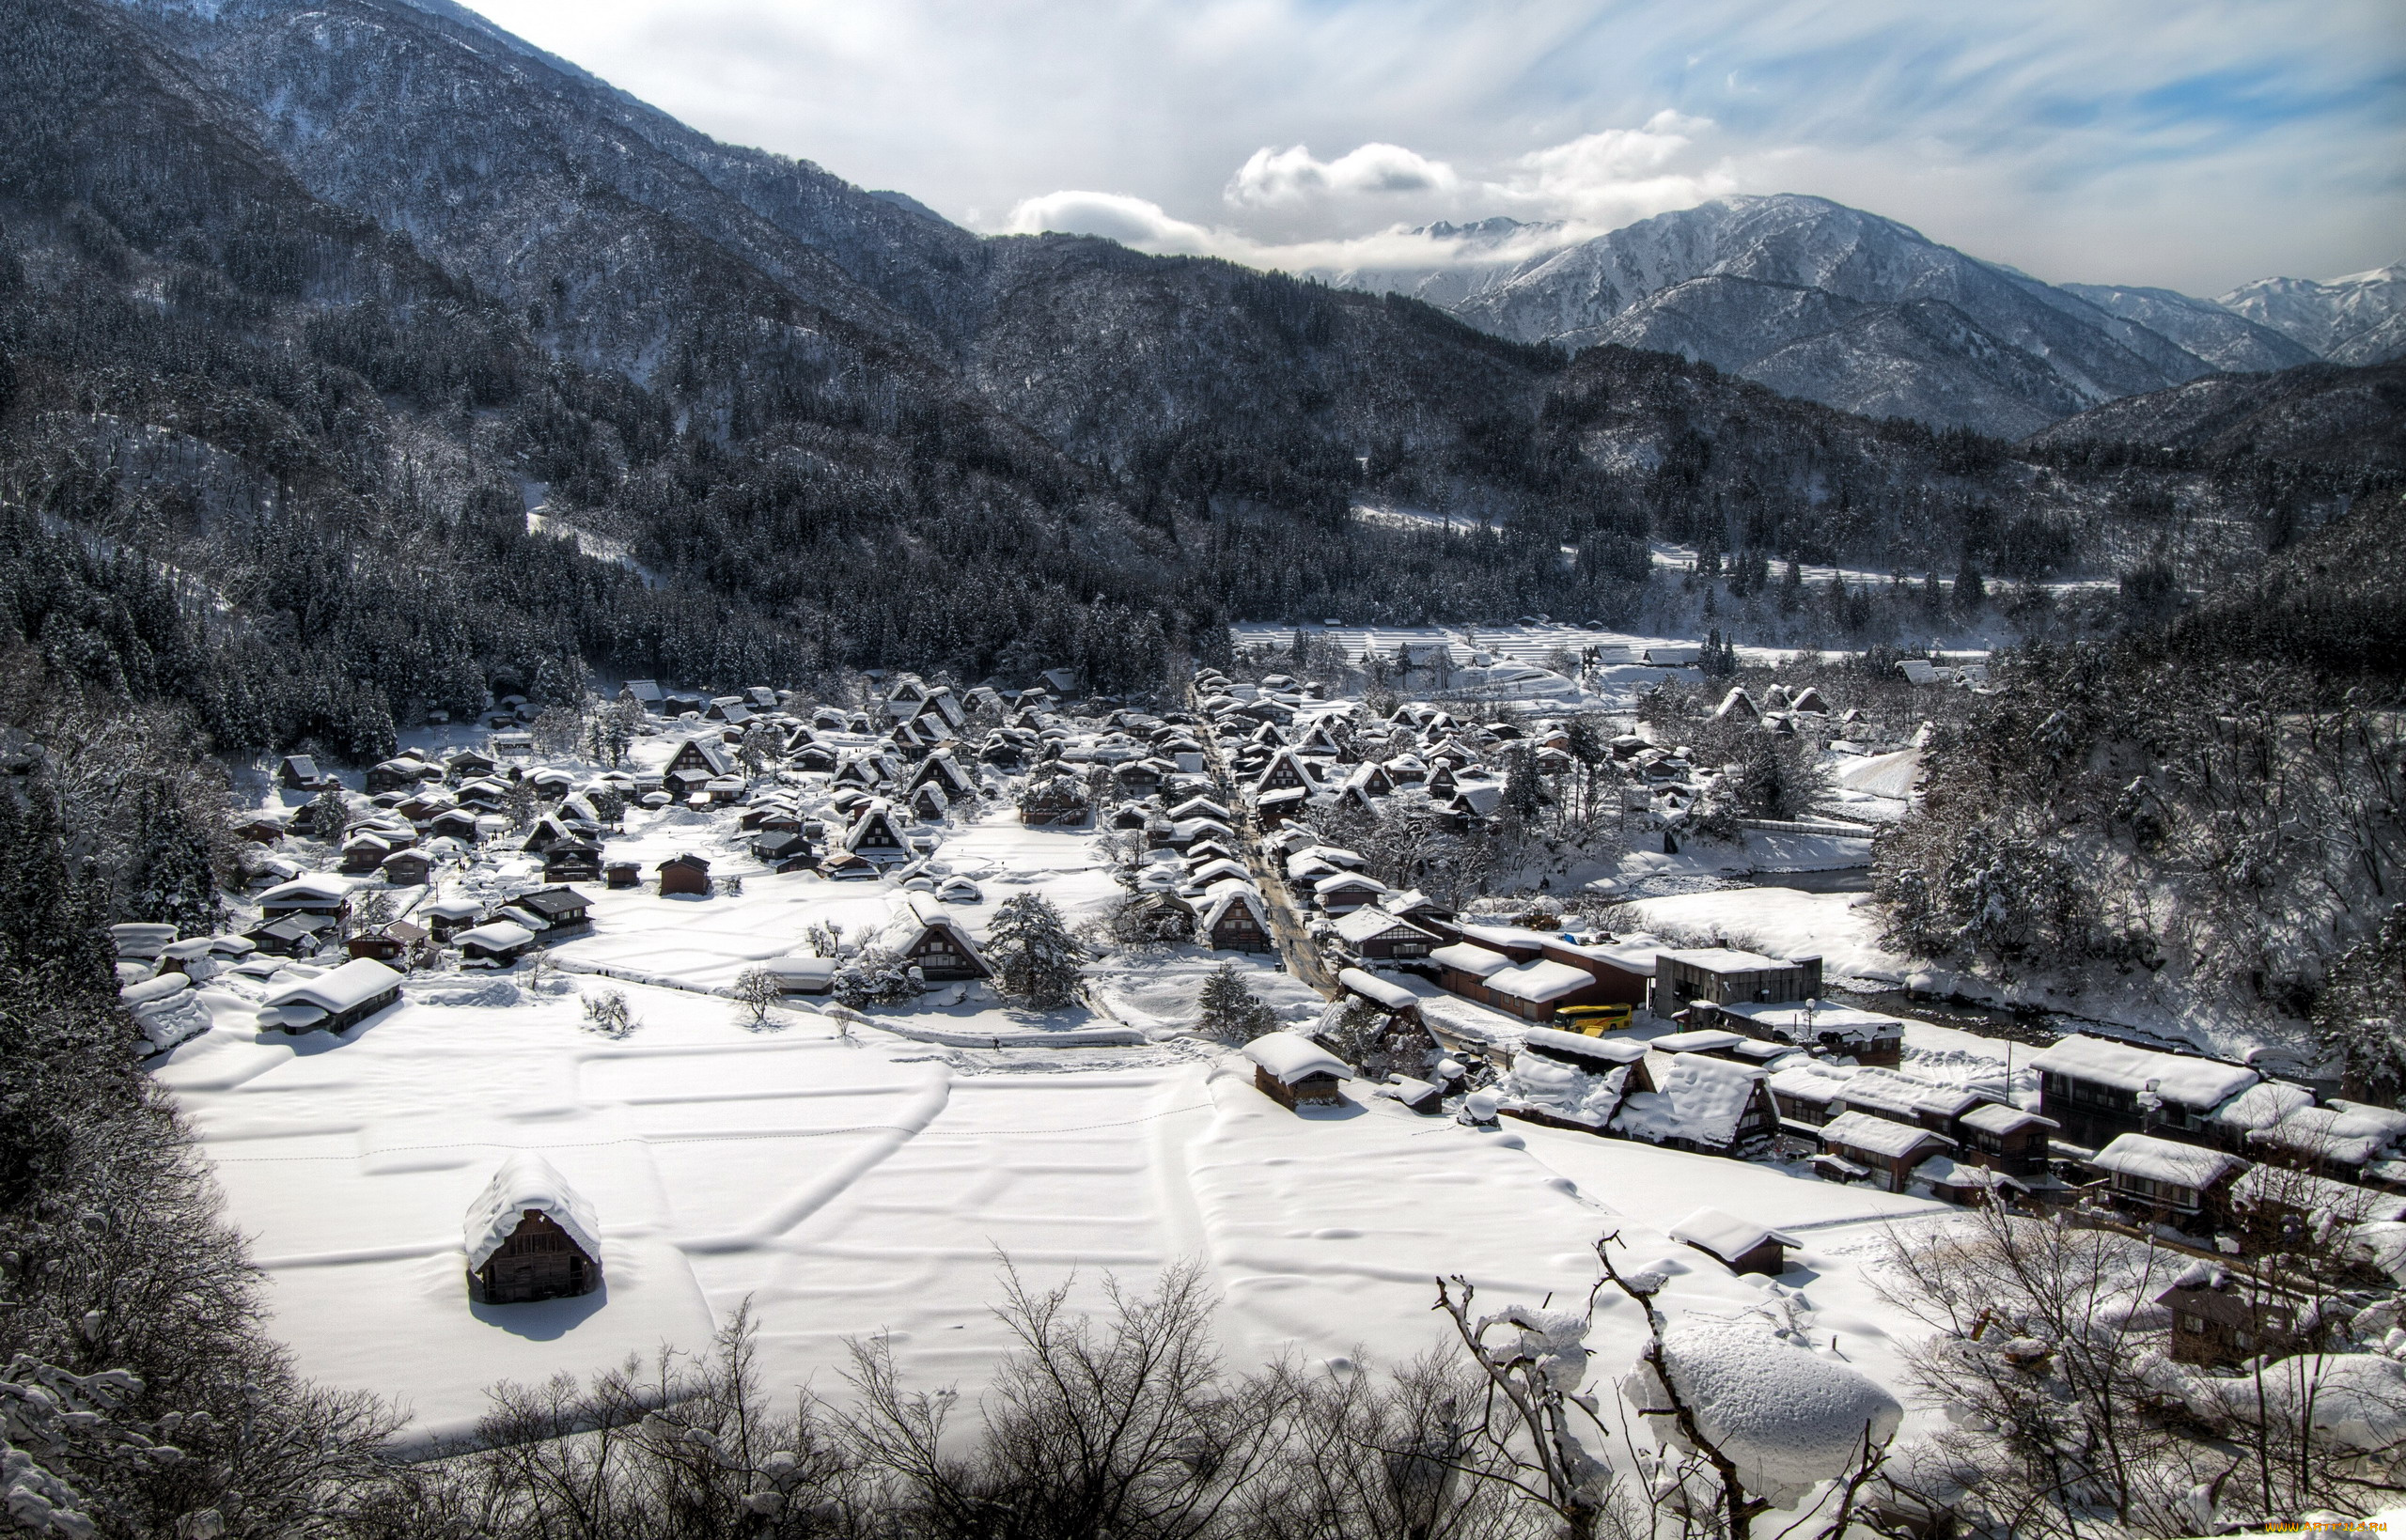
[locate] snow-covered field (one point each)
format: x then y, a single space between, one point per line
848 1180
850 1187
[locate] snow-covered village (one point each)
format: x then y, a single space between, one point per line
689 851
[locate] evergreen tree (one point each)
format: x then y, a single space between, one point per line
2360 1017
1230 1010
326 816
1971 589
1033 953
174 883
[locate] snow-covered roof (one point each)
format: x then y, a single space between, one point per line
1541 981
805 969
1347 882
1726 1236
1878 1135
1290 1057
1903 1095
1997 1118
526 1183
1720 959
2200 1083
1371 921
1556 1043
500 936
2262 1105
2162 1161
2310 1194
1702 1041
2389 1117
2328 1134
307 890
1702 1099
354 983
1945 1170
1394 996
1466 958
1786 1416
1587 1093
1792 1021
1228 896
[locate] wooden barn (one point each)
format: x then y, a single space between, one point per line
1293 1072
1741 1245
529 1235
689 874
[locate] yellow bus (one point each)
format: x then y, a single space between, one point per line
1594 1021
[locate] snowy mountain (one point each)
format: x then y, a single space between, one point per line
2224 338
2360 319
1835 305
1861 313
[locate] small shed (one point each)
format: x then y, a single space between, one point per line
501 943
688 873
623 874
447 917
529 1235
1740 1245
1292 1071
2215 1323
801 976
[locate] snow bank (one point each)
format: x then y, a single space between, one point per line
1842 927
1786 1417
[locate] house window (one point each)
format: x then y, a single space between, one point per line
2242 1341
2195 1325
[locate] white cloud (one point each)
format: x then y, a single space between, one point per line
1116 216
2118 140
1612 176
1146 226
1291 176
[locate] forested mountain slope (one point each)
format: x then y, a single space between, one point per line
303 309
2321 413
2203 817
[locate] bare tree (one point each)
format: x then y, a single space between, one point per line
756 992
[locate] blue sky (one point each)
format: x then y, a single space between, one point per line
2191 146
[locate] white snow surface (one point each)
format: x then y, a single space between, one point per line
1788 1417
847 1179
